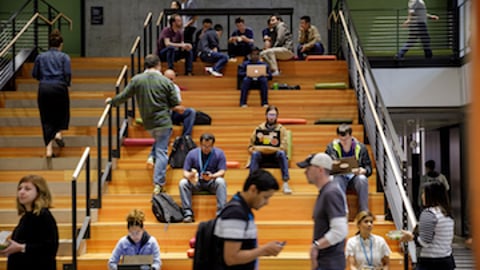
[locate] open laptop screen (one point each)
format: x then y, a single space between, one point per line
267 137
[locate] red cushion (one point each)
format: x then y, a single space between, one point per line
320 57
233 164
292 121
138 141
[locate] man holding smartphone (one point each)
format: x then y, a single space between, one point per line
203 169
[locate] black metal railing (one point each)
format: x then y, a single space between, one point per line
148 35
23 33
135 68
389 155
382 31
106 174
84 233
122 128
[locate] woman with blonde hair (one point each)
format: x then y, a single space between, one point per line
34 241
52 69
136 242
366 250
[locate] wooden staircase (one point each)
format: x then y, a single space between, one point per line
287 217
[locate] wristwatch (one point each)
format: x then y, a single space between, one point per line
316 244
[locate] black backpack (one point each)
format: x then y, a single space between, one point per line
202 118
165 209
206 255
181 146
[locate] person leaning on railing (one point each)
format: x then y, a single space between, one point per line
434 232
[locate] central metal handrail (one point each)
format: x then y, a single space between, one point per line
83 163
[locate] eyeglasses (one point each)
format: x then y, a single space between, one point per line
271 114
342 133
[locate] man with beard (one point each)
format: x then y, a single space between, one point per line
269 144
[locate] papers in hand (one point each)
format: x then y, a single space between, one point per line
4 235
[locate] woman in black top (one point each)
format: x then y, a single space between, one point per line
52 69
34 242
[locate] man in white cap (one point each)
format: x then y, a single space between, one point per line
329 215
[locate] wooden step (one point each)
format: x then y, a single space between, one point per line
178 261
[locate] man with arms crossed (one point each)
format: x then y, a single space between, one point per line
329 215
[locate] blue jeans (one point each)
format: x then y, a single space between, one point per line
162 137
172 54
187 118
239 49
417 31
360 183
317 49
280 157
246 84
219 59
217 186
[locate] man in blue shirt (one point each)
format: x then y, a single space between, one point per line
241 41
203 169
261 81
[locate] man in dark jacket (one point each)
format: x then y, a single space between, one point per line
209 51
346 146
247 81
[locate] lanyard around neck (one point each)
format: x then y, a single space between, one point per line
204 167
369 262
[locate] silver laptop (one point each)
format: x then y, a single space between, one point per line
255 71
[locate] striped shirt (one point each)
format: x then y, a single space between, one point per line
435 233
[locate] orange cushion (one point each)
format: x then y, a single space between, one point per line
320 57
233 164
292 121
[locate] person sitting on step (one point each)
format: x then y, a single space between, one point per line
204 169
248 81
269 143
209 51
347 146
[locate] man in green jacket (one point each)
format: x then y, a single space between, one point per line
155 95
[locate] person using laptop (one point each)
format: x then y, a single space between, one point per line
255 73
269 144
136 242
347 146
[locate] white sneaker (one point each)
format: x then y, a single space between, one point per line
150 162
208 70
276 73
159 189
216 74
244 106
286 189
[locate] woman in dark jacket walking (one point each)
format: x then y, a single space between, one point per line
52 69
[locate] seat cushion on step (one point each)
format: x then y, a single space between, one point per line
138 141
331 85
320 57
233 164
292 121
333 121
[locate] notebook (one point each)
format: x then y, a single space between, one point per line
267 137
344 165
256 70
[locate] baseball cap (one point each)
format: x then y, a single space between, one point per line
321 159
